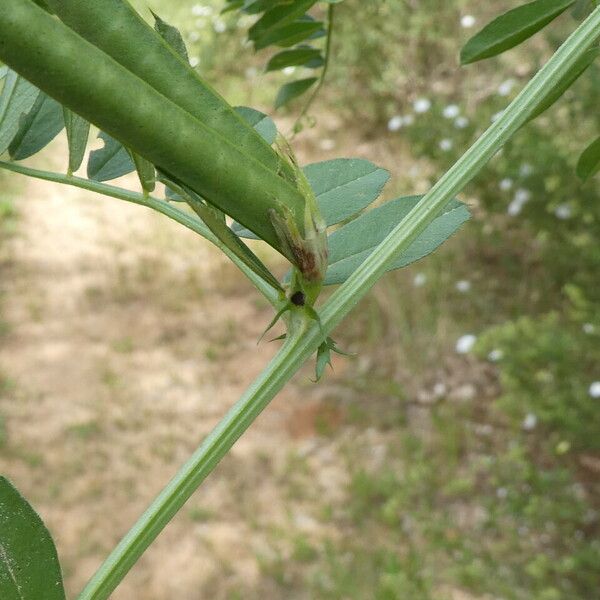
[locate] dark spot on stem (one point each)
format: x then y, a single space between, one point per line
298 298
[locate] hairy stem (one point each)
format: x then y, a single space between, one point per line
307 338
165 208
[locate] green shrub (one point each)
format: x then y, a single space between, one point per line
546 368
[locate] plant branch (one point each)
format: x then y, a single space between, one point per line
165 208
299 347
315 93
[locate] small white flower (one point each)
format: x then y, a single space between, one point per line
563 211
594 390
251 72
495 355
193 36
496 116
408 119
421 105
588 328
327 144
219 26
414 171
505 88
199 10
461 122
525 170
505 184
522 195
446 144
529 422
395 123
467 21
451 111
194 61
465 343
289 70
514 208
420 279
502 493
440 389
463 286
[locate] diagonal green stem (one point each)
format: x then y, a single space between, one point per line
165 208
308 335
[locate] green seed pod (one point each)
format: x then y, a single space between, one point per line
86 80
116 28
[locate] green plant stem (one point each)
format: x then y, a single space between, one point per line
165 208
315 93
306 339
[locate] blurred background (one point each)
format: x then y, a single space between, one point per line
455 456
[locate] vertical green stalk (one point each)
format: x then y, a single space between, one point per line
308 335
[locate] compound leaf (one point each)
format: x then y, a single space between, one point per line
512 28
350 245
29 567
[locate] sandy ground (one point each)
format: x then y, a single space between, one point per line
129 338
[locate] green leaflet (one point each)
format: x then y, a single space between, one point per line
277 18
292 90
171 35
17 98
146 172
342 186
29 567
566 82
324 357
78 132
345 186
589 161
295 57
109 162
37 128
290 34
512 28
350 245
260 122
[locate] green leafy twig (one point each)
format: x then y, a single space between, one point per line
308 337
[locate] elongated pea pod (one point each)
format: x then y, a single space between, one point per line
96 87
116 28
